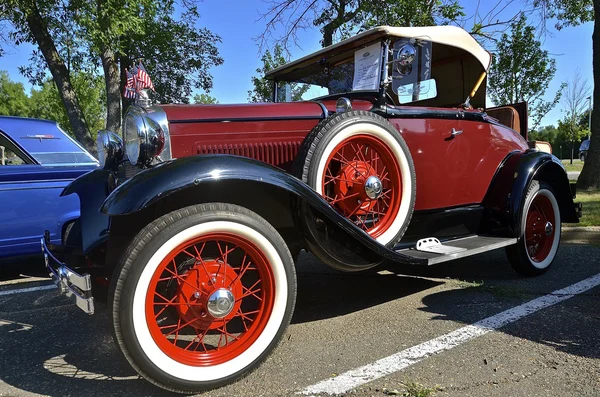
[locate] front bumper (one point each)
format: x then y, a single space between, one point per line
75 286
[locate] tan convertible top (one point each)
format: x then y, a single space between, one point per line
452 36
459 63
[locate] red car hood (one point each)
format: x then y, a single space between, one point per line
293 110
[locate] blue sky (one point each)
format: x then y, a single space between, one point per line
238 23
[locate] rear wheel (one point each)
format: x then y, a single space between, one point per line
361 165
540 232
202 296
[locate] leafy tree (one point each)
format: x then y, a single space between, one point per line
575 104
45 102
37 22
13 100
263 89
205 99
80 36
522 71
408 13
341 18
177 54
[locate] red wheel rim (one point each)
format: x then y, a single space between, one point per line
540 228
346 171
176 304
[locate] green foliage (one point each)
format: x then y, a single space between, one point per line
109 33
571 132
408 13
178 55
45 103
565 12
522 71
13 100
339 19
263 89
205 99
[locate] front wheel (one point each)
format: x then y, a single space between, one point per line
540 232
202 296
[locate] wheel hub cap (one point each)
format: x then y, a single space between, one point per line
373 187
220 303
548 228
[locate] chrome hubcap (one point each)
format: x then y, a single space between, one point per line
373 187
220 303
548 228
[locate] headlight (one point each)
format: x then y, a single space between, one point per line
110 148
343 104
146 135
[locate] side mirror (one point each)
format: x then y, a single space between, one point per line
417 91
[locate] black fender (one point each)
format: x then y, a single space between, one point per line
504 200
92 189
267 190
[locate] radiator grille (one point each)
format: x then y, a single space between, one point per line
274 153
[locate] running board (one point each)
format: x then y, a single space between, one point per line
465 246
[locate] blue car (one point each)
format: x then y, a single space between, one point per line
583 149
37 160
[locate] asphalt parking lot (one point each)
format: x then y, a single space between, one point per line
343 322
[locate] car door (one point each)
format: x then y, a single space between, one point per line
30 202
455 158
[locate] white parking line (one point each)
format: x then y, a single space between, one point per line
398 361
30 289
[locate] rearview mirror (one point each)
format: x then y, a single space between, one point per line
417 91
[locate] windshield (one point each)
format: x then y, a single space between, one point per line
360 69
53 147
328 81
64 158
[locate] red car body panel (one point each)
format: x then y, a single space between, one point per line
451 171
455 171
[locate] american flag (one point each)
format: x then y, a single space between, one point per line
143 80
129 91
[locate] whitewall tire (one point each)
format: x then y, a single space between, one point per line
202 296
362 166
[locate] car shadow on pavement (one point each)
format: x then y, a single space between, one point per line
50 347
55 349
64 352
570 326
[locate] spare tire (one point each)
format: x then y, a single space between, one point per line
361 165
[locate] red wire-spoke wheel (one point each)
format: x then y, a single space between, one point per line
209 299
203 295
539 229
361 165
363 180
540 226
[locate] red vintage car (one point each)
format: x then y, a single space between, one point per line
192 227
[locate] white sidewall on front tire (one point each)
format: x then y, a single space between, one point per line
407 185
245 359
557 229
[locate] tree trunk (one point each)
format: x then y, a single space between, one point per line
61 76
590 174
112 79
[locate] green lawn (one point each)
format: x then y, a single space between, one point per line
576 166
591 209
